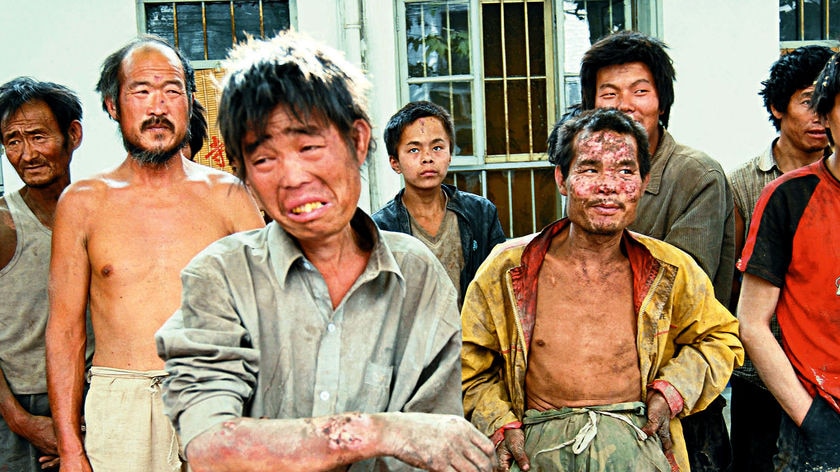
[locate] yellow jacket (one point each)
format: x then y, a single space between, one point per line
685 336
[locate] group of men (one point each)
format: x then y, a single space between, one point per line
328 340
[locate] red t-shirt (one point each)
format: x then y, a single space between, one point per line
794 243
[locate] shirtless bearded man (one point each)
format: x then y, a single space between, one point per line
120 241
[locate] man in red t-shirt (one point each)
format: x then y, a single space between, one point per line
791 266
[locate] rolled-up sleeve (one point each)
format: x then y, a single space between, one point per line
209 355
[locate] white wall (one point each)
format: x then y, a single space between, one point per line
722 50
65 42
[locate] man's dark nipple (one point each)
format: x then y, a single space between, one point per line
107 270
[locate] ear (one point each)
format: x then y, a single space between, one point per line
776 113
560 180
395 164
361 139
74 133
112 109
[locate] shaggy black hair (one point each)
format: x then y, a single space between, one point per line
63 102
793 71
312 81
408 115
625 47
562 142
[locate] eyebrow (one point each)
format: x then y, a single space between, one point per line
417 143
138 83
634 84
299 130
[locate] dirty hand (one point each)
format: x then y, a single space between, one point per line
512 448
438 442
659 419
39 431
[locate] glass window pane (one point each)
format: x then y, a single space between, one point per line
522 212
787 20
518 116
536 37
160 20
539 115
437 37
275 17
492 24
497 192
813 21
456 98
467 181
219 38
494 117
547 199
190 34
833 19
575 34
514 40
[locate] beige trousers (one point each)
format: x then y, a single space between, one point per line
127 430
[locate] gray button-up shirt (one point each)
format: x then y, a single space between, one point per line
256 334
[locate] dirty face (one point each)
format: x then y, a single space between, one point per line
154 105
630 88
424 154
800 125
306 175
35 146
604 185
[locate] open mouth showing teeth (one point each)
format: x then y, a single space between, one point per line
306 207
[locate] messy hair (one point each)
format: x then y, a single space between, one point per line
562 142
793 71
62 102
410 113
625 47
310 80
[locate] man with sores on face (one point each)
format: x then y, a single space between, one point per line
458 227
319 342
586 343
687 202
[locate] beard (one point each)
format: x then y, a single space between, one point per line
154 157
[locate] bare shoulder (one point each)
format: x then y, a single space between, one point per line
88 194
226 193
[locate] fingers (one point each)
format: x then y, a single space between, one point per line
664 433
515 442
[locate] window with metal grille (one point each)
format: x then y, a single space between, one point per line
494 65
803 21
204 31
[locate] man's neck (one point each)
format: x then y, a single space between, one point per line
156 174
424 203
788 157
42 201
580 247
339 259
653 140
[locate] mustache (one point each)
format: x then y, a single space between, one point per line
157 121
607 202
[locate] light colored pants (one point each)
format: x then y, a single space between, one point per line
127 430
604 438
